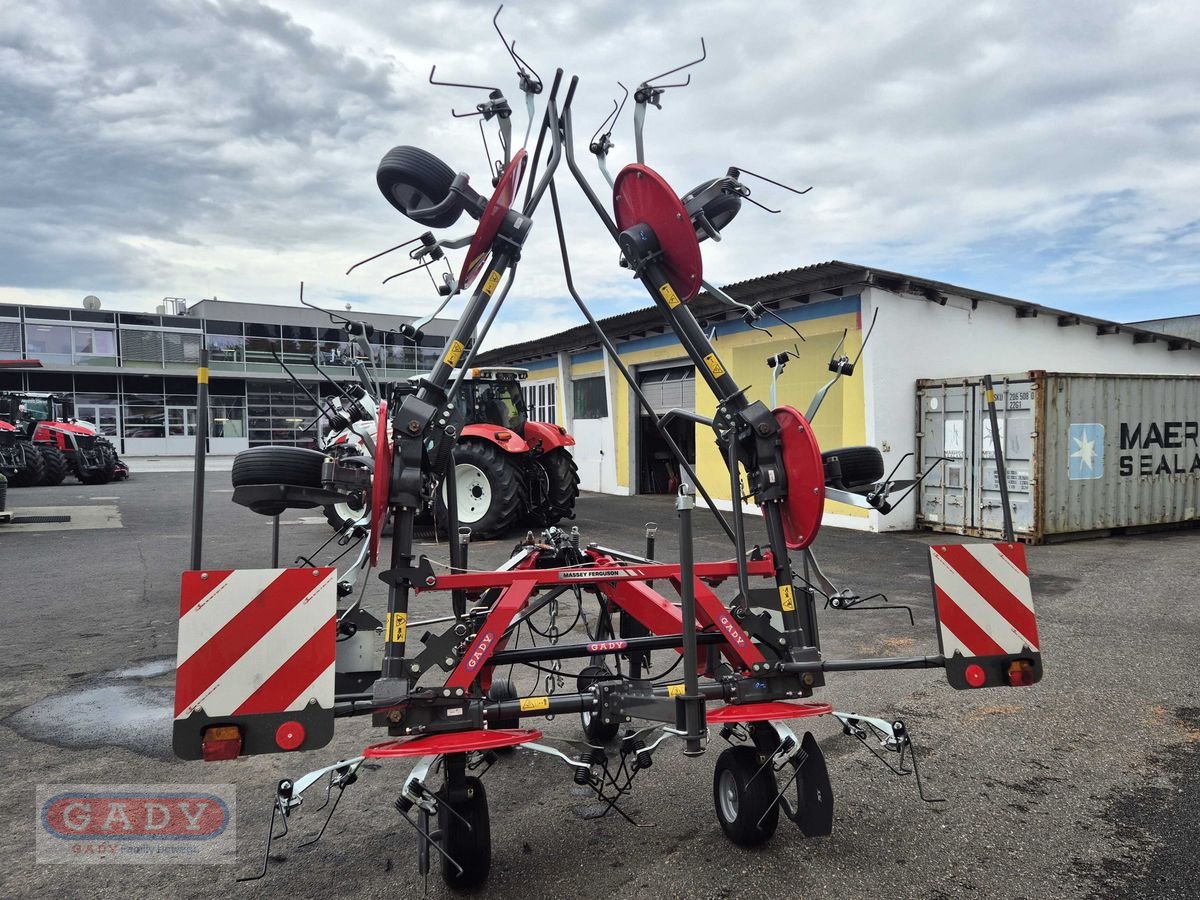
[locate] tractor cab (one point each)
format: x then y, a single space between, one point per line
27 411
493 396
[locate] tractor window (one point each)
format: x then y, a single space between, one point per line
37 408
500 403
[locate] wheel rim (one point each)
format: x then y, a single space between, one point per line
727 796
474 493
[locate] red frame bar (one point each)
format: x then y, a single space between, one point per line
607 570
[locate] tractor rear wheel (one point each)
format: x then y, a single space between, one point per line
33 471
558 479
106 468
491 490
55 464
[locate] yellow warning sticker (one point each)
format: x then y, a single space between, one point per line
990 396
787 598
674 690
529 704
668 294
398 627
493 279
202 375
454 352
714 365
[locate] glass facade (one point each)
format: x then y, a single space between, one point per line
132 374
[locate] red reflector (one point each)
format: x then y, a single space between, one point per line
1020 673
221 742
289 735
976 677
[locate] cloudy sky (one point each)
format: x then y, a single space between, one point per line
186 148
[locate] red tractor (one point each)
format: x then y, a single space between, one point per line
55 444
509 469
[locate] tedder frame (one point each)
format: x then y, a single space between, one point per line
269 659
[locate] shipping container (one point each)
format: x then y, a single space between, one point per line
1084 454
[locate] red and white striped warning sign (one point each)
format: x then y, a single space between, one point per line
255 641
984 600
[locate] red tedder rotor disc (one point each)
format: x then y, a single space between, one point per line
642 197
493 216
805 479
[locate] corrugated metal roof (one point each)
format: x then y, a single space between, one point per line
800 284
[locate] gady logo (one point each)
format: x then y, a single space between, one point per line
735 634
124 816
479 654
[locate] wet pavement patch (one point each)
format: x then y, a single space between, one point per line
113 710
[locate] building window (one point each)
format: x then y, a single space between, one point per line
96 346
590 398
141 346
540 400
180 348
49 343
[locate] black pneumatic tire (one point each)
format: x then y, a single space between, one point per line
504 489
278 465
54 468
470 847
413 180
595 729
34 470
560 479
861 466
742 794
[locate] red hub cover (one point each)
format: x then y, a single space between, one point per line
805 470
642 197
493 216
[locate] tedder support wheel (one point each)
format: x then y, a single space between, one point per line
54 464
278 465
860 466
466 834
34 470
744 793
414 181
558 481
595 729
343 515
491 490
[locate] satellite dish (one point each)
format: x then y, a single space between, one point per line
91 301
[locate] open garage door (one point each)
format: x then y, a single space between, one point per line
666 387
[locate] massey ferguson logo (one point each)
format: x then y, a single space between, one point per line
607 646
731 630
582 574
479 654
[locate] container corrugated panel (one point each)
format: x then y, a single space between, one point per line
1084 453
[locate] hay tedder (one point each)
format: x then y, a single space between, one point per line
269 659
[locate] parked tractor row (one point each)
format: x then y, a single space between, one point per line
41 443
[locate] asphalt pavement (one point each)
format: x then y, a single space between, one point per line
1084 785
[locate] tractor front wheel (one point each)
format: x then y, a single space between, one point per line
557 478
34 469
491 490
54 468
105 468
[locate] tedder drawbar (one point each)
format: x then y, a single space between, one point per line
269 659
